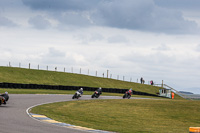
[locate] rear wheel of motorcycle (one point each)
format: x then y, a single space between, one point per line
92 96
124 96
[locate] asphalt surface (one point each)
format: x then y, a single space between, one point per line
14 119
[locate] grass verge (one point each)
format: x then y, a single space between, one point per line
126 116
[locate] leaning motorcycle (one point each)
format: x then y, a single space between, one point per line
76 95
96 94
5 95
127 95
3 98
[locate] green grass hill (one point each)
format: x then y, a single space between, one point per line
32 76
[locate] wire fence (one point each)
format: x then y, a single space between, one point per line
80 70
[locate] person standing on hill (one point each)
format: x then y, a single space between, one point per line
141 80
151 82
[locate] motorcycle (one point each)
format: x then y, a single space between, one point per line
76 95
127 95
5 95
96 94
4 98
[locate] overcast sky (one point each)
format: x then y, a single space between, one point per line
154 39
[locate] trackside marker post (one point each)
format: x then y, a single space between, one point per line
194 130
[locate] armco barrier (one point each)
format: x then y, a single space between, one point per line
62 87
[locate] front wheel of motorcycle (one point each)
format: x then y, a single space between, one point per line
92 96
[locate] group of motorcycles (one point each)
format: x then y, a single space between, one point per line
98 92
4 98
78 94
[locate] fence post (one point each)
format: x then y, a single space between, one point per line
96 73
107 73
162 83
64 69
29 66
38 67
47 68
80 70
88 71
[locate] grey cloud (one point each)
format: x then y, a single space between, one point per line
145 15
39 22
61 5
179 4
142 15
162 47
55 53
55 56
6 22
197 48
96 37
155 60
117 39
74 18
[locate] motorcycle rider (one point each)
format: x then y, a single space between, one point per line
80 91
130 91
99 90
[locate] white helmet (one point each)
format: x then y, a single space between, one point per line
100 88
6 92
81 89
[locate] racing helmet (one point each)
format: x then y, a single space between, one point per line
130 89
99 88
81 89
6 92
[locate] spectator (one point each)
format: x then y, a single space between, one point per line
141 80
151 82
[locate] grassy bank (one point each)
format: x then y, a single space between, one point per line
127 116
30 76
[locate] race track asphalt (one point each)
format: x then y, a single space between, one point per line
14 119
